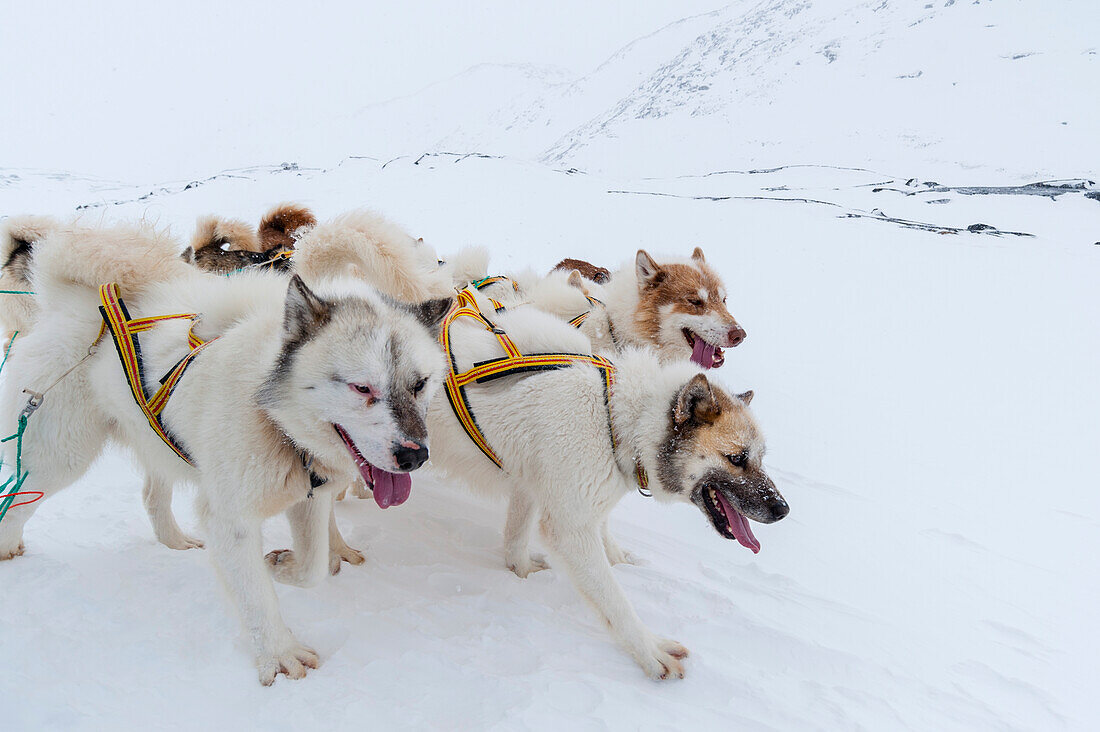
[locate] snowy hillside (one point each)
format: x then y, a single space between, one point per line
996 86
907 232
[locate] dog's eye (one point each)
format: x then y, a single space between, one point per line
361 388
419 386
695 302
739 460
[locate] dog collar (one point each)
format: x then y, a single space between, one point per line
315 481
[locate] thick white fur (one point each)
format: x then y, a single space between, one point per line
368 247
247 456
532 422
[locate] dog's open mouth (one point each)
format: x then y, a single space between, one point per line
728 521
706 355
390 489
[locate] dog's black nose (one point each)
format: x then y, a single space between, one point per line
410 458
777 506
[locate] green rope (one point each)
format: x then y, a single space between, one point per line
8 350
6 499
16 292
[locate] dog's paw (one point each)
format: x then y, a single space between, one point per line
617 555
523 567
292 661
663 659
12 553
359 490
183 541
284 566
349 555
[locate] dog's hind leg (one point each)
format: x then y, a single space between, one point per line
340 551
61 440
310 559
581 549
156 494
236 545
517 536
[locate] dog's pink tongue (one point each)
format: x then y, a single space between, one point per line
739 525
390 489
703 353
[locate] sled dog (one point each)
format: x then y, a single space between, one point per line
681 435
225 246
336 386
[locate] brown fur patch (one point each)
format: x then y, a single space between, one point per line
212 231
589 271
280 226
678 285
717 426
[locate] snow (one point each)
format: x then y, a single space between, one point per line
929 397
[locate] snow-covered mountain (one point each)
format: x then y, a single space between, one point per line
1003 88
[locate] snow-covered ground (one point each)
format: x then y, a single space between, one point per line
929 393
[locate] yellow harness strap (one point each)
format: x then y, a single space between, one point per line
124 330
486 281
512 363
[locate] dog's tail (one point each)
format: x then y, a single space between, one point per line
283 225
368 247
213 231
134 256
21 234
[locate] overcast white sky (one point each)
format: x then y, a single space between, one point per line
156 90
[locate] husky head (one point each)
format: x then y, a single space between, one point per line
682 310
711 456
353 379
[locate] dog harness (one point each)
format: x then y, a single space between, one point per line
486 281
513 363
124 330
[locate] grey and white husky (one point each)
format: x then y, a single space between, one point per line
301 392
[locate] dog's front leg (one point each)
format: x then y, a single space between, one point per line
340 551
581 549
236 545
309 529
615 553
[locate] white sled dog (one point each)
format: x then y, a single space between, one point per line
300 392
693 442
677 307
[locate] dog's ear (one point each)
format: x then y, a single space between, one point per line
648 271
430 312
696 403
304 313
697 255
746 397
575 280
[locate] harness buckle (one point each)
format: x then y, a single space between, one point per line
32 404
